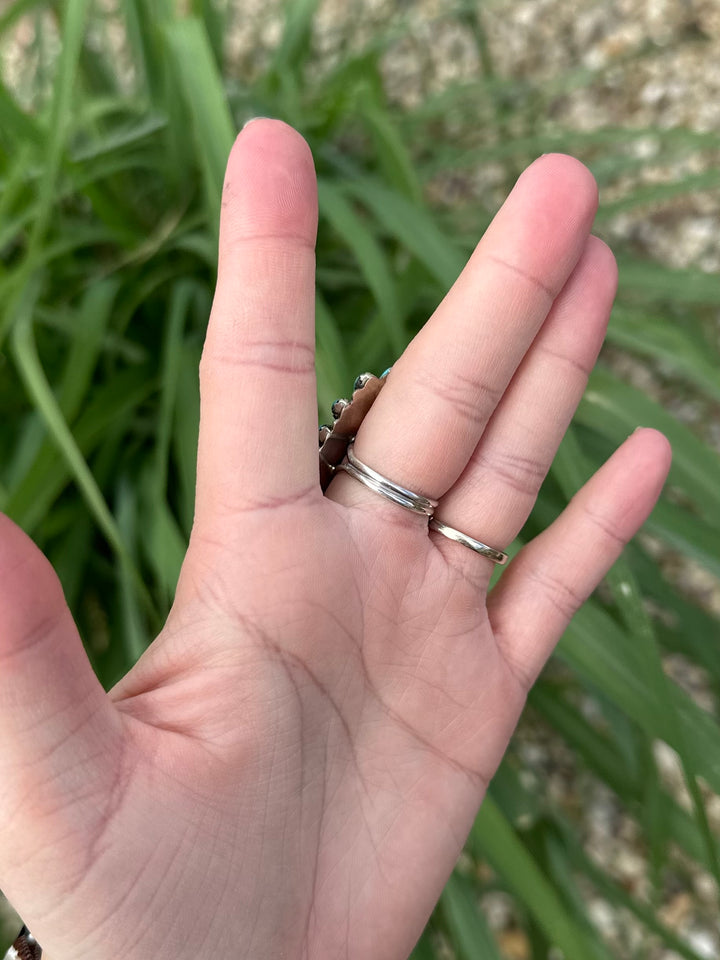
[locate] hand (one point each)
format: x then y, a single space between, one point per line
291 769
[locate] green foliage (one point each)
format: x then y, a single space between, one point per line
110 176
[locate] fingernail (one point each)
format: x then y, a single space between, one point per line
636 430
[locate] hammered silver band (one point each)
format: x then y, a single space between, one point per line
497 556
386 488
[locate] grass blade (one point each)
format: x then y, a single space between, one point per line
202 89
469 932
569 468
675 346
414 228
614 409
370 257
39 390
493 837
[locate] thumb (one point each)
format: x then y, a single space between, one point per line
59 734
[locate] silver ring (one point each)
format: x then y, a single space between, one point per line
386 488
497 556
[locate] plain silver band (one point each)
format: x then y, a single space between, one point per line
386 488
497 556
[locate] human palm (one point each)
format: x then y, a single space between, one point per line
291 769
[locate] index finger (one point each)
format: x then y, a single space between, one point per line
258 420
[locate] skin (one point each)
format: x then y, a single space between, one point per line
291 769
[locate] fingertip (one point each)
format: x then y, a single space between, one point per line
270 186
588 296
253 120
630 482
270 134
544 224
603 260
569 180
569 170
653 440
652 451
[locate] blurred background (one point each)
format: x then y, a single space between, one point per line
599 838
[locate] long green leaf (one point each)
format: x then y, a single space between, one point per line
468 929
29 366
185 432
370 257
606 759
211 124
604 654
112 404
73 32
294 44
623 585
678 348
413 227
615 409
135 637
656 281
493 837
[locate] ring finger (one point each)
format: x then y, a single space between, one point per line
496 492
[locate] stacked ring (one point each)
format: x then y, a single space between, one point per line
497 556
386 488
337 453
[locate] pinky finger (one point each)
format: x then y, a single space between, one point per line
556 572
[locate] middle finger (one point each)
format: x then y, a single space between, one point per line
425 424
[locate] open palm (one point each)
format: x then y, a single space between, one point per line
291 769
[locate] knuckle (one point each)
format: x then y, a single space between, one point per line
607 526
530 278
518 670
470 398
567 360
561 594
524 474
286 357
